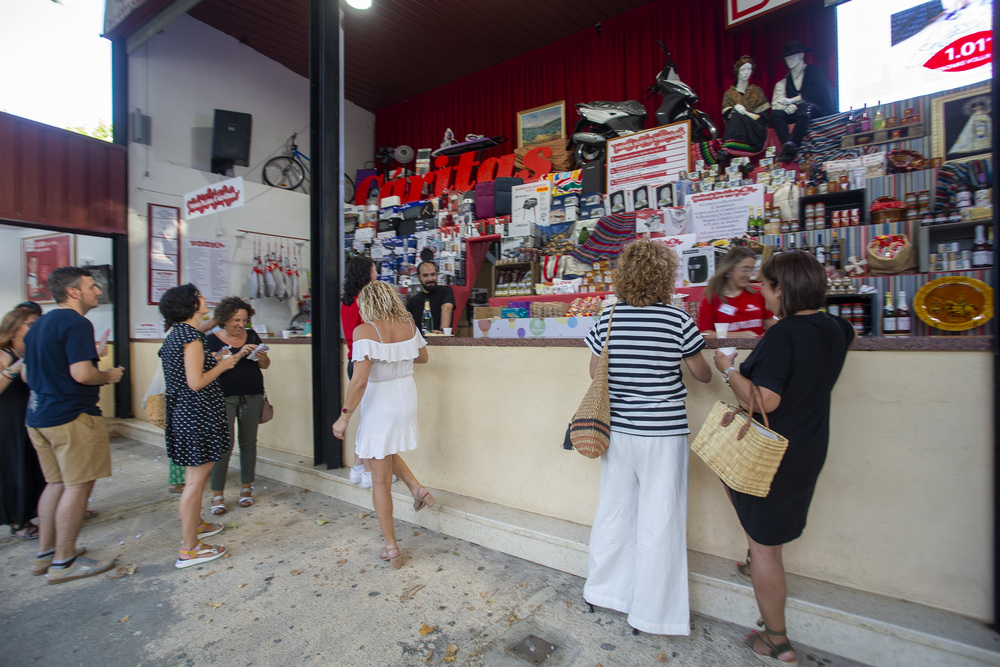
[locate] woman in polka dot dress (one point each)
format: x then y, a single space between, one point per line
196 432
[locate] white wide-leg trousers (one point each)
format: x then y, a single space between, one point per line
638 544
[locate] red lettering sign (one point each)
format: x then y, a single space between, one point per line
965 53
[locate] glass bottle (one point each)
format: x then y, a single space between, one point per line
836 252
879 122
427 320
820 250
903 327
981 255
866 123
888 317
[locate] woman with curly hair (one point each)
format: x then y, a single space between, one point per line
729 299
195 429
359 272
385 348
638 548
244 392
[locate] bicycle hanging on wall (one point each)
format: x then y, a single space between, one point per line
291 170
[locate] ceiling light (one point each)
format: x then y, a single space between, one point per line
360 4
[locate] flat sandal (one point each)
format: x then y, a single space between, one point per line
774 650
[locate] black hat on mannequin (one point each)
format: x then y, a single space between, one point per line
793 47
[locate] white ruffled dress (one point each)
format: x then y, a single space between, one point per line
388 410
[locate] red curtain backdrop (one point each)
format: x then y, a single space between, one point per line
617 64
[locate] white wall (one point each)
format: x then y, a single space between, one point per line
179 78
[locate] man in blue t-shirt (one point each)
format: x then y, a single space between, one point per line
65 424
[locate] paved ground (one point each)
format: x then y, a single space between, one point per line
293 591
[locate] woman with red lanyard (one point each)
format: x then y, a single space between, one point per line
359 272
729 299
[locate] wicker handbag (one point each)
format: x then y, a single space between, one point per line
590 430
744 453
156 410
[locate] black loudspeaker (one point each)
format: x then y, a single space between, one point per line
593 177
230 140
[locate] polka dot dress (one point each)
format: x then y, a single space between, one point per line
196 430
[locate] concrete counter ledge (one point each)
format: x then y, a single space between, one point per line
863 343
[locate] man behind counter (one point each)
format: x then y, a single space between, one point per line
441 297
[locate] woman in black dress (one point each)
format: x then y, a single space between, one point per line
196 433
21 480
795 366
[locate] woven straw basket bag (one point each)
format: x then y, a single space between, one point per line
590 430
156 410
744 453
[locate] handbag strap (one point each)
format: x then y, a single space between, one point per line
757 398
607 334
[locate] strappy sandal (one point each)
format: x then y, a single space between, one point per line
27 531
202 553
246 497
423 498
218 507
391 554
774 650
744 568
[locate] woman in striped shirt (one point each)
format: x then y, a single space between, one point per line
638 548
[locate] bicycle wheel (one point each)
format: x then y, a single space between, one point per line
348 190
284 172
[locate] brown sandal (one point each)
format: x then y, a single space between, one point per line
391 554
774 650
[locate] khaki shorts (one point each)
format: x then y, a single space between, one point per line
73 453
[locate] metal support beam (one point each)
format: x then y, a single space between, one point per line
119 242
325 101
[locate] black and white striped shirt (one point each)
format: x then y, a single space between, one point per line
645 352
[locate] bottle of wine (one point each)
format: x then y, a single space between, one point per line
791 243
805 244
852 122
903 327
836 252
820 251
427 320
751 224
888 317
981 255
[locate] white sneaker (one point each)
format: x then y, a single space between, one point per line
355 475
366 480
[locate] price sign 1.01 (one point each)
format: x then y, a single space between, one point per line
965 53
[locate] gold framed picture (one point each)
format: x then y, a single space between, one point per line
541 124
963 125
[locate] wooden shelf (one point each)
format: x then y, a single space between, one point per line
910 131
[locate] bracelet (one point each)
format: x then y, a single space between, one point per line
346 411
10 374
726 373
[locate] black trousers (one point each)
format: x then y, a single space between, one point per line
781 120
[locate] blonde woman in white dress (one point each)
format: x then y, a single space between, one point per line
385 348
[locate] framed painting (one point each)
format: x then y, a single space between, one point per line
963 125
103 277
541 124
40 256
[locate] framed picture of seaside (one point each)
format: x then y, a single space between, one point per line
541 124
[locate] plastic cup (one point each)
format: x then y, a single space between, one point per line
722 330
727 351
447 331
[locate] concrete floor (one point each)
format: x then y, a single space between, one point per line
293 591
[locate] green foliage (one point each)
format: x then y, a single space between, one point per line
103 131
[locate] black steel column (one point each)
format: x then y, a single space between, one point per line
996 365
119 242
324 226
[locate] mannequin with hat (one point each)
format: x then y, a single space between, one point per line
801 95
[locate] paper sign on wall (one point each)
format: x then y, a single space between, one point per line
206 265
723 214
651 156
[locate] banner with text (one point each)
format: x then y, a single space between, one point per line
723 214
651 156
215 198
